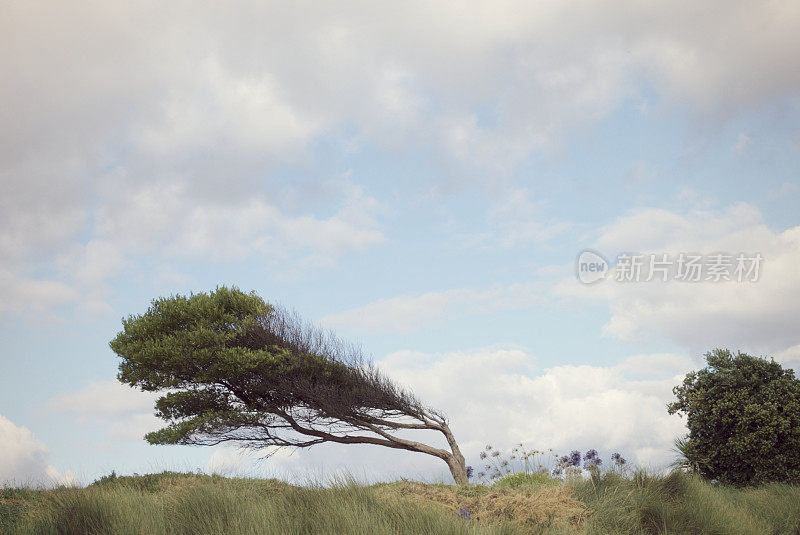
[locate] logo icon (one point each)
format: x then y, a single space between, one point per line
591 266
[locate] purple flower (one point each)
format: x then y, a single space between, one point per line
591 464
618 460
574 458
469 472
590 455
463 513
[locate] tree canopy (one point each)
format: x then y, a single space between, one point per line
234 368
743 415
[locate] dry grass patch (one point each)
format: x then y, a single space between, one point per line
527 506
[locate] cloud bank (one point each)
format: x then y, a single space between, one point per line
136 129
25 460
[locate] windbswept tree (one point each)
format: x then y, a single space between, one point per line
233 368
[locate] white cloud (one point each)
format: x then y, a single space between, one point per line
25 460
789 358
694 63
657 365
498 397
221 97
755 316
227 108
163 219
407 313
24 295
232 462
125 412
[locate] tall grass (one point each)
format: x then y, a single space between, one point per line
192 504
171 503
680 503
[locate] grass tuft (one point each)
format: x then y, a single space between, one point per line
174 503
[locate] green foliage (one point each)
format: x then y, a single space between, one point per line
743 415
193 343
170 503
687 458
182 341
521 479
225 371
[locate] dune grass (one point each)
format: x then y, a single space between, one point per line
679 503
172 503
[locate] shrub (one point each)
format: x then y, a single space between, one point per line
743 415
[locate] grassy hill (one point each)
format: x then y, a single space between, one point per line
189 503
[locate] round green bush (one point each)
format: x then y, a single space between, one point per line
743 415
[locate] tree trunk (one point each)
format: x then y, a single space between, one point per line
458 469
456 462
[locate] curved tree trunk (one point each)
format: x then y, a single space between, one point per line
458 469
456 462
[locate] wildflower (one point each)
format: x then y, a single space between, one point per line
592 464
469 472
463 513
574 458
618 460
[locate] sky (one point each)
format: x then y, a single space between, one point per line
420 177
